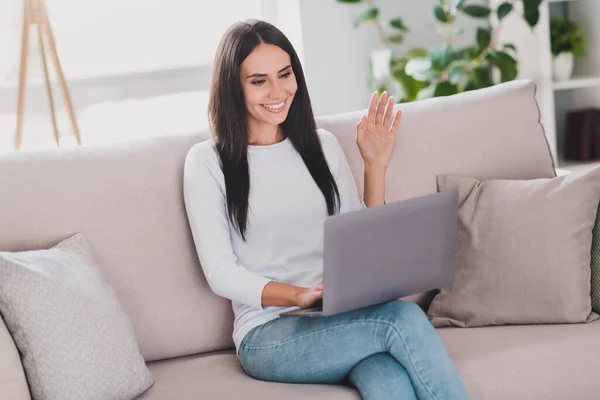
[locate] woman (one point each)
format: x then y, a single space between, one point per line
257 196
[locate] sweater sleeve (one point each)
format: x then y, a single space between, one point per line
340 168
206 210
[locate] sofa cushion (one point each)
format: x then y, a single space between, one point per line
523 251
495 363
13 384
67 322
222 377
550 362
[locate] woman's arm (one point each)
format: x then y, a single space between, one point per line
283 295
375 136
207 216
374 185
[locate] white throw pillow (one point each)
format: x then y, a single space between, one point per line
75 340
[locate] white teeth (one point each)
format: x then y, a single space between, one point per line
274 106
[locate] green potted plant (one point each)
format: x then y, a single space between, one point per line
445 69
567 42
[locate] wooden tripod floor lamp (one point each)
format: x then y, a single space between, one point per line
35 14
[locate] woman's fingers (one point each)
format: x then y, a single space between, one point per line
381 108
389 110
372 108
360 128
396 123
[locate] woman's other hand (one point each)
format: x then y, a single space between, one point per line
376 132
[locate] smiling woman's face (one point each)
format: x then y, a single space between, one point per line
269 85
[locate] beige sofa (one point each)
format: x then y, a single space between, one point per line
127 199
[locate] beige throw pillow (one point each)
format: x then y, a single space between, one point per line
75 340
523 251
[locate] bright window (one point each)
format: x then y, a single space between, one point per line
135 68
112 37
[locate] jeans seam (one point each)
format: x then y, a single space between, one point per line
248 347
425 385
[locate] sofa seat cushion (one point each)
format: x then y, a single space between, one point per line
527 361
220 376
496 363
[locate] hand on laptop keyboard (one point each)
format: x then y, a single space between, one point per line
308 296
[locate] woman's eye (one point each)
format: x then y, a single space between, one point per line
258 82
286 75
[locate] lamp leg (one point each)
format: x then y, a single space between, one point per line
41 29
23 73
61 77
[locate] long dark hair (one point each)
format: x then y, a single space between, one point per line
228 119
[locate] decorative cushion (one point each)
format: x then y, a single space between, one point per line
523 251
75 340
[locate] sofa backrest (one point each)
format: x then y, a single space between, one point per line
488 134
127 199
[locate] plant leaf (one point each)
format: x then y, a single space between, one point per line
369 15
398 24
408 84
418 53
504 9
484 38
506 64
532 17
420 69
398 62
470 85
459 4
531 11
441 57
440 14
477 11
445 88
396 39
482 76
511 47
467 53
458 72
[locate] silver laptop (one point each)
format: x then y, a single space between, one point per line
380 254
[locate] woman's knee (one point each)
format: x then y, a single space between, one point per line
380 376
374 365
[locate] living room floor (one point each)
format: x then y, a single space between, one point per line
111 122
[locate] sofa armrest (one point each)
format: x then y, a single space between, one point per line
562 172
13 384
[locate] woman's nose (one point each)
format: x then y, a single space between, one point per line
277 91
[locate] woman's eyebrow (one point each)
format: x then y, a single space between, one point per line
257 75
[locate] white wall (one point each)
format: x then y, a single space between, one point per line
336 54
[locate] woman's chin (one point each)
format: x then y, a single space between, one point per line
275 119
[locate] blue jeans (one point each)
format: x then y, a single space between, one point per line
387 351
